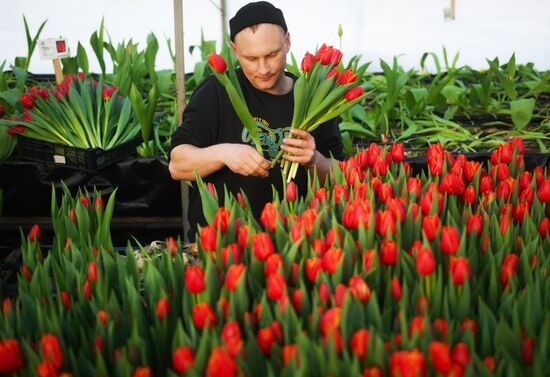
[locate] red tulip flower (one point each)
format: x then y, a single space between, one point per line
232 337
221 364
385 222
27 101
183 359
543 192
262 246
354 93
436 159
34 234
290 353
359 343
233 276
221 219
527 352
265 339
470 169
450 240
46 369
276 286
544 227
273 264
217 63
425 261
269 215
243 236
407 363
509 268
359 288
307 62
331 260
396 290
203 315
430 226
461 354
51 350
333 73
194 279
460 270
11 357
397 152
414 184
291 190
208 238
388 252
441 357
474 224
163 308
330 321
347 77
92 272
232 250
313 265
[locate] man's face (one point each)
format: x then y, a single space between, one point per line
262 54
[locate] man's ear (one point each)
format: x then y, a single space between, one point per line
287 41
233 47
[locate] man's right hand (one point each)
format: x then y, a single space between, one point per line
245 160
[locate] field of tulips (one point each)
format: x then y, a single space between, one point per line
374 272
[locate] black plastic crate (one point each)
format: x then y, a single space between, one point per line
90 160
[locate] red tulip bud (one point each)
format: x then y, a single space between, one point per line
183 359
441 357
266 339
233 276
163 308
27 100
51 350
34 234
291 191
217 63
354 93
203 315
11 356
194 279
307 62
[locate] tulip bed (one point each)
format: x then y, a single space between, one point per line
375 272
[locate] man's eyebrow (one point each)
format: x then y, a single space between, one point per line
268 53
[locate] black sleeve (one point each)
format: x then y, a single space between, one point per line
328 140
200 117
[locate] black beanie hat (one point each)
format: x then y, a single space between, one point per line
260 12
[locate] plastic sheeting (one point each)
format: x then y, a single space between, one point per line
145 187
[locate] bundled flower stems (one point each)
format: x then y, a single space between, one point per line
321 93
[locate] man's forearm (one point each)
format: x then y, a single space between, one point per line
185 159
321 165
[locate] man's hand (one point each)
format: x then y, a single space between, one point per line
300 149
245 160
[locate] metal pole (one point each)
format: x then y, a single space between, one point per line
180 90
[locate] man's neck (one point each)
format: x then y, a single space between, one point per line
284 86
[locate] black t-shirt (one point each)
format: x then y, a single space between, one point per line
210 119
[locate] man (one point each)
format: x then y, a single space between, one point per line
214 143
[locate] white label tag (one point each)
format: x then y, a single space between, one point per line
53 48
59 159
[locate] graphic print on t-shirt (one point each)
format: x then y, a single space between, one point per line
270 139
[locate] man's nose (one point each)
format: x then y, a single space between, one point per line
264 67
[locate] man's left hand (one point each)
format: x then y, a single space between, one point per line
301 148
